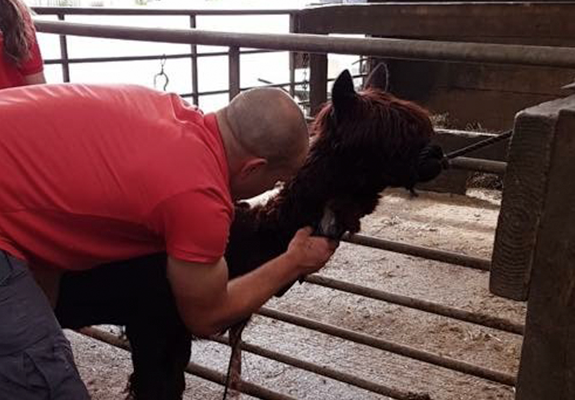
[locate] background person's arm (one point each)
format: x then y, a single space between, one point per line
208 303
35 79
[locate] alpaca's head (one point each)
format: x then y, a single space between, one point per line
363 142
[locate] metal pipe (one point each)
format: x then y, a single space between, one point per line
390 48
234 71
293 28
224 91
158 11
406 351
477 164
325 371
194 65
88 60
64 54
419 251
248 388
410 302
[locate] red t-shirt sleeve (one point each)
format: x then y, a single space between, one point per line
34 64
195 225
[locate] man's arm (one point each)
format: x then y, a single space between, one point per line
208 303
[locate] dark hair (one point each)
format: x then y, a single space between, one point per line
17 30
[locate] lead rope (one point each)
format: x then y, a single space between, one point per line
478 145
233 376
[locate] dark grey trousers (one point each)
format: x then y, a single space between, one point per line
36 361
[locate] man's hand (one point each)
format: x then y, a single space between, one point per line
310 253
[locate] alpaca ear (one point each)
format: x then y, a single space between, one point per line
342 93
378 78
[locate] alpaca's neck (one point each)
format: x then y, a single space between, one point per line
264 232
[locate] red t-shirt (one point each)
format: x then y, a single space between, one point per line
97 173
12 75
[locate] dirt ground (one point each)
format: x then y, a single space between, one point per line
464 224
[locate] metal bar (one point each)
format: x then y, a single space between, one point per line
64 54
318 75
234 71
439 309
419 251
248 388
223 91
242 52
477 164
293 28
206 93
391 48
88 60
194 65
324 371
406 351
150 57
158 11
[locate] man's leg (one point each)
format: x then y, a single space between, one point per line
36 361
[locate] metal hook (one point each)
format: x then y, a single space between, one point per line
162 74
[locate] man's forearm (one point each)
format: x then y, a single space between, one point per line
208 303
247 293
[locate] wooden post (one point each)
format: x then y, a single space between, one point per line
523 202
318 82
547 369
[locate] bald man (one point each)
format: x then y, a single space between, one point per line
93 174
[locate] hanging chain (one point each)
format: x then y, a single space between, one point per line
162 75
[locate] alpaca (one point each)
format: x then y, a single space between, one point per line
362 143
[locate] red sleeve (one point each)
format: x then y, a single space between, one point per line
195 225
34 64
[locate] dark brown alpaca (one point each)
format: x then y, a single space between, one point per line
362 143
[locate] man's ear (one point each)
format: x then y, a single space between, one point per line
252 165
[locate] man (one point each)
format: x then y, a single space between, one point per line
93 174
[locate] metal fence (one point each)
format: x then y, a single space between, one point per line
65 60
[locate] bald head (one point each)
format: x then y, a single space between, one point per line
267 123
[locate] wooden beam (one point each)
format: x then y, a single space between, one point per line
543 23
523 203
547 369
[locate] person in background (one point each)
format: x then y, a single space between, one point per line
20 58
